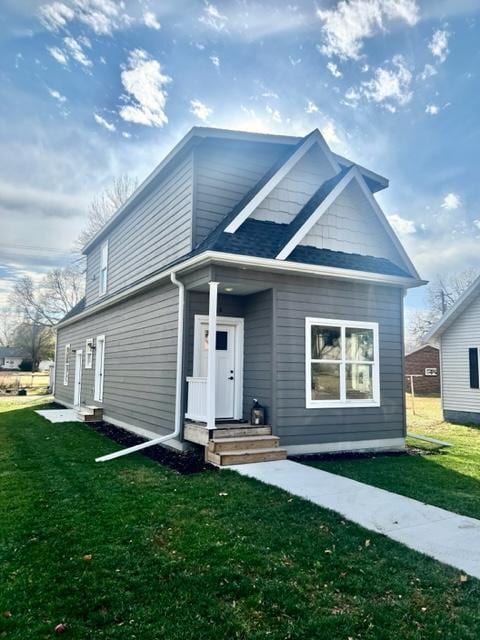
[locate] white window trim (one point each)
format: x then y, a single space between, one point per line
342 324
99 379
101 291
88 353
66 365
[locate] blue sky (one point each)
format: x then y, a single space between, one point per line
91 89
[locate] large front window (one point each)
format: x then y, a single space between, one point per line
341 363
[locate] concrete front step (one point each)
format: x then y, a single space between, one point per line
218 445
244 456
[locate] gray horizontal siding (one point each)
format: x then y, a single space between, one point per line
296 424
157 231
140 359
224 174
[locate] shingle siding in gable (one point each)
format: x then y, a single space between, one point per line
224 174
352 226
156 232
296 188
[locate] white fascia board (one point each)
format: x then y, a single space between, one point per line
423 346
268 264
316 215
314 138
366 173
467 297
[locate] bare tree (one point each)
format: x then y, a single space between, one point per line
8 324
46 302
104 205
36 340
442 293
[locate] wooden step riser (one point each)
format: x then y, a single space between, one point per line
242 431
84 418
266 442
246 457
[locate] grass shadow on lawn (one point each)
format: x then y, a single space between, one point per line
129 549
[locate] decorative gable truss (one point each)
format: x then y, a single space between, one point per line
342 214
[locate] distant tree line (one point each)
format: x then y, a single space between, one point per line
35 307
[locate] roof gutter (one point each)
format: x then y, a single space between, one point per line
238 260
178 383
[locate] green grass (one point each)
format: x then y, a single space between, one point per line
450 478
210 556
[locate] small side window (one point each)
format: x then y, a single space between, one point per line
103 268
89 353
66 366
473 362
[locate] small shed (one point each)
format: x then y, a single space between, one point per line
424 364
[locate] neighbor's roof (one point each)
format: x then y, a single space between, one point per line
465 300
196 135
423 346
12 352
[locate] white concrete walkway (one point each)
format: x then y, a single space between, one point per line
440 534
59 415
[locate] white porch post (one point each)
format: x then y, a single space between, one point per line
212 335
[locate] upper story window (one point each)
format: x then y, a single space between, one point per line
66 365
342 368
103 268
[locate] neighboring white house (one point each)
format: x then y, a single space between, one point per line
11 358
458 336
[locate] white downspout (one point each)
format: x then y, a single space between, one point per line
178 385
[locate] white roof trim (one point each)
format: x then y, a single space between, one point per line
353 173
268 264
314 138
423 346
463 302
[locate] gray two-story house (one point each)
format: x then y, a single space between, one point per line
277 247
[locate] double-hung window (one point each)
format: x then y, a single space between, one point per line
342 368
88 353
103 268
66 365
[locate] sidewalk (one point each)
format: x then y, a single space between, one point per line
440 534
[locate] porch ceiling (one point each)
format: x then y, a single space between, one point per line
234 287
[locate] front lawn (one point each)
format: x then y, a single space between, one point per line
129 549
449 478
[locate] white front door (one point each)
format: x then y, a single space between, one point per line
229 361
77 388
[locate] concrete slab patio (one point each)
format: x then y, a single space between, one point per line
59 415
440 534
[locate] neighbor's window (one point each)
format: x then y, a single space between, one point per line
431 371
342 363
89 353
66 366
103 268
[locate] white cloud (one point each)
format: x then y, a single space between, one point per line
432 109
438 45
200 110
311 107
57 95
401 225
346 26
451 201
58 54
150 20
391 85
329 132
213 18
215 60
294 61
334 70
352 97
102 16
273 113
103 123
428 71
76 51
125 134
144 84
56 15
